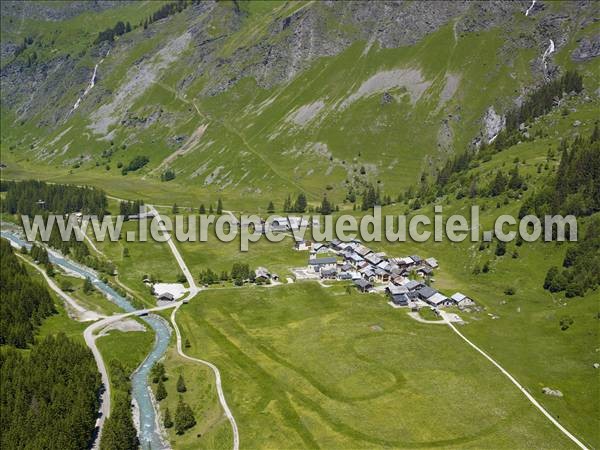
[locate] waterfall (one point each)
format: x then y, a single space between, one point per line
530 8
90 85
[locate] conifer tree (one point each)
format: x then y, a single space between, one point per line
161 392
167 421
88 287
184 417
325 206
181 384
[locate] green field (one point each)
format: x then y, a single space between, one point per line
212 430
304 366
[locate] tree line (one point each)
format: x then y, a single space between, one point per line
119 430
25 302
49 396
109 34
129 208
575 189
32 197
240 273
539 102
580 270
167 10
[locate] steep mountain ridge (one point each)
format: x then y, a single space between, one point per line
337 93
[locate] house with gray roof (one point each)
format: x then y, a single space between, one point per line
461 300
319 264
439 300
262 273
425 271
329 274
373 259
426 292
413 285
363 285
432 262
362 250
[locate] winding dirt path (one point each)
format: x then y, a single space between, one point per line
194 290
217 373
516 383
83 314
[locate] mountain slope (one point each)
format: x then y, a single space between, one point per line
236 97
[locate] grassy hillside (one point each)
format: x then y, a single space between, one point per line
323 130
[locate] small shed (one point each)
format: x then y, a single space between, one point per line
461 300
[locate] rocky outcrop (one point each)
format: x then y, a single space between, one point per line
272 54
493 123
54 12
587 49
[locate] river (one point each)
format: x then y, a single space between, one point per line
149 431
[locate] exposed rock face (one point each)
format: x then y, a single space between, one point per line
46 11
587 49
285 47
493 123
297 40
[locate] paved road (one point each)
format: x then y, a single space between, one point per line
517 384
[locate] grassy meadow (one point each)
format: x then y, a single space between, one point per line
306 366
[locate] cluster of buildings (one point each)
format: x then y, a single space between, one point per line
373 271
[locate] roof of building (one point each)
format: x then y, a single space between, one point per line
362 283
426 292
416 258
324 260
262 272
406 261
400 299
373 258
355 257
458 297
327 272
395 290
367 271
346 267
432 262
167 296
411 285
384 265
362 250
437 298
426 270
